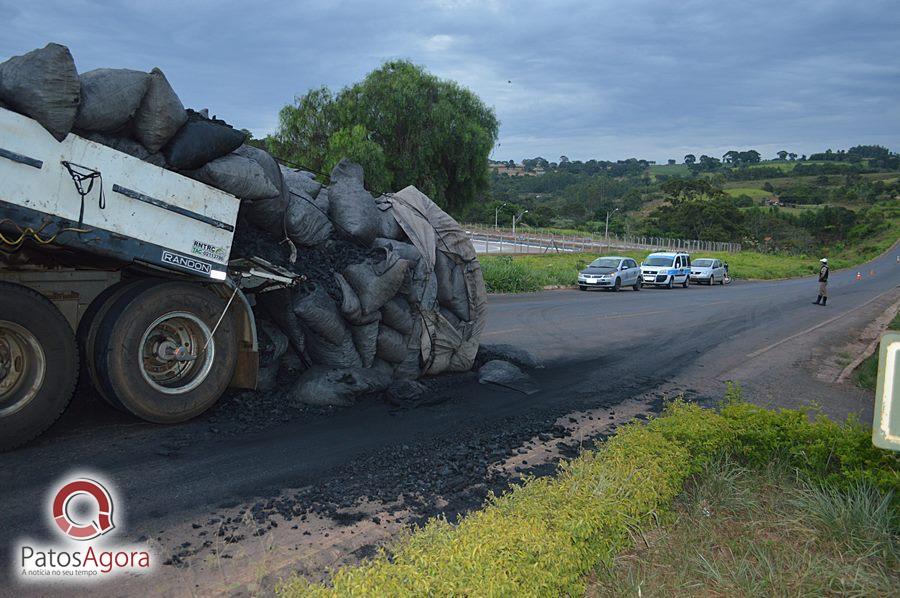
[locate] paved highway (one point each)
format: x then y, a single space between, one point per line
601 349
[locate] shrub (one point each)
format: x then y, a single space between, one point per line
502 274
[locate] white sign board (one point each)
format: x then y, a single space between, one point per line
886 427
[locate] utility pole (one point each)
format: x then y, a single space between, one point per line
606 234
497 214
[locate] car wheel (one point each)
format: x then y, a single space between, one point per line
90 324
582 288
671 282
712 280
685 283
637 285
617 285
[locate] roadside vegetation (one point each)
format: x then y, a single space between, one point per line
522 273
836 202
762 531
551 536
866 375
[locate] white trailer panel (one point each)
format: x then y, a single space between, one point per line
142 201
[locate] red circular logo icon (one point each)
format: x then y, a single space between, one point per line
80 530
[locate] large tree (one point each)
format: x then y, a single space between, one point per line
406 126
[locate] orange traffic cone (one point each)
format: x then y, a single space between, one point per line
859 276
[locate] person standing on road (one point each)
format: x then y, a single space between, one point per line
823 283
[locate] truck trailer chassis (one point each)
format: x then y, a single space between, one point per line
118 271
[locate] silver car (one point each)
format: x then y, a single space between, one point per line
611 272
707 271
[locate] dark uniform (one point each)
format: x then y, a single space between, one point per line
823 285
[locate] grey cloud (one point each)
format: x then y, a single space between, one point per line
651 79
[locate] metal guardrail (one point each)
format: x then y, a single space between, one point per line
502 240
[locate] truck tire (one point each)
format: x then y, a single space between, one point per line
87 334
135 351
38 364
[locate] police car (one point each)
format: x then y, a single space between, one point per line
666 269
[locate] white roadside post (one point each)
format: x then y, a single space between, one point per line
514 221
886 427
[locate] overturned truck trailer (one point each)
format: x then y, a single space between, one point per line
147 250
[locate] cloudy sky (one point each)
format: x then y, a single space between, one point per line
594 79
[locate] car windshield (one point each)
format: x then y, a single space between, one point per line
703 263
659 261
605 262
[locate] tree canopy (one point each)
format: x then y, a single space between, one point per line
403 124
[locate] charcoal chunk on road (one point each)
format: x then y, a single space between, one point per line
506 374
160 114
510 353
43 84
201 140
352 208
338 386
405 392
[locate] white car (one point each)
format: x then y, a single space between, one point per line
708 271
612 272
666 269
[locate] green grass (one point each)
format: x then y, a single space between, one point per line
752 192
670 170
763 531
866 374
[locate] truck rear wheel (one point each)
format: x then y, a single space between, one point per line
38 364
155 351
86 334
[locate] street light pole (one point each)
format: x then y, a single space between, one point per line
497 214
606 234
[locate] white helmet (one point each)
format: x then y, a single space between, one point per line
824 260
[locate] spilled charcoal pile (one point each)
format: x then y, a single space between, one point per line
391 288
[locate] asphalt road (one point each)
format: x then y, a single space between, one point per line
600 349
